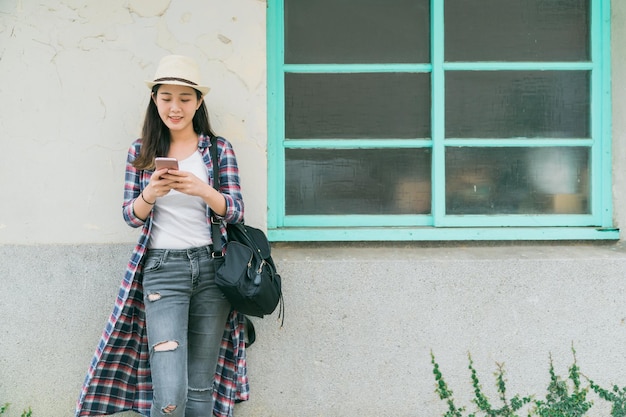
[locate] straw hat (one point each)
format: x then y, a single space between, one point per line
178 70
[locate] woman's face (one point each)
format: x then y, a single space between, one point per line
177 104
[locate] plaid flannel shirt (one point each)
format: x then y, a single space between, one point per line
119 377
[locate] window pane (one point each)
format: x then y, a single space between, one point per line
517 30
551 180
357 31
379 105
510 104
362 181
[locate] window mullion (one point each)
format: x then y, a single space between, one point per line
438 111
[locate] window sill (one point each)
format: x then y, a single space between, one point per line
310 234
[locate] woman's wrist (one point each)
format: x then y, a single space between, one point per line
145 200
147 197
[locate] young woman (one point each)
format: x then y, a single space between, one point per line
172 337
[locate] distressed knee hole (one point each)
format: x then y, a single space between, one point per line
165 346
202 390
154 296
169 409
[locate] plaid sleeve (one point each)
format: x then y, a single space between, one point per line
132 186
229 182
231 378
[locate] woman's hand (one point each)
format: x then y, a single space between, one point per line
187 183
159 185
184 182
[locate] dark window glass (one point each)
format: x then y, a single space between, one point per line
517 30
553 180
378 105
362 181
511 104
364 31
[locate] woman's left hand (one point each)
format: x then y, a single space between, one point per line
186 183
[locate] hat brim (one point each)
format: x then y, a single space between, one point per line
201 88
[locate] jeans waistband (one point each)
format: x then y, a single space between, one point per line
182 253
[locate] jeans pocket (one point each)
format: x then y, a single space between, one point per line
152 262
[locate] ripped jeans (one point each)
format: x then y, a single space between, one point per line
185 317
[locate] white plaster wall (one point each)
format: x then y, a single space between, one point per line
72 99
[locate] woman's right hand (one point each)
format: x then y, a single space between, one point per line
158 186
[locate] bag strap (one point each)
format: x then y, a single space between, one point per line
250 332
216 233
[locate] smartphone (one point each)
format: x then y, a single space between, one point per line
169 163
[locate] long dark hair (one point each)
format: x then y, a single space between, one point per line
155 135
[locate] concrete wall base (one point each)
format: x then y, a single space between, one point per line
361 321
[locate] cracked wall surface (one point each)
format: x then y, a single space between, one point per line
74 71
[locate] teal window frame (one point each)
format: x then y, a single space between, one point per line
439 226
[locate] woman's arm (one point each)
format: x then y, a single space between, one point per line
135 212
230 187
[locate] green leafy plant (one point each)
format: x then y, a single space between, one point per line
617 396
5 407
559 402
564 398
509 407
444 392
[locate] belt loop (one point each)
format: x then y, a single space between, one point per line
165 253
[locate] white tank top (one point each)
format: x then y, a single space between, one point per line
180 220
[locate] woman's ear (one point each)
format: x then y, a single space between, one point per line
199 103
